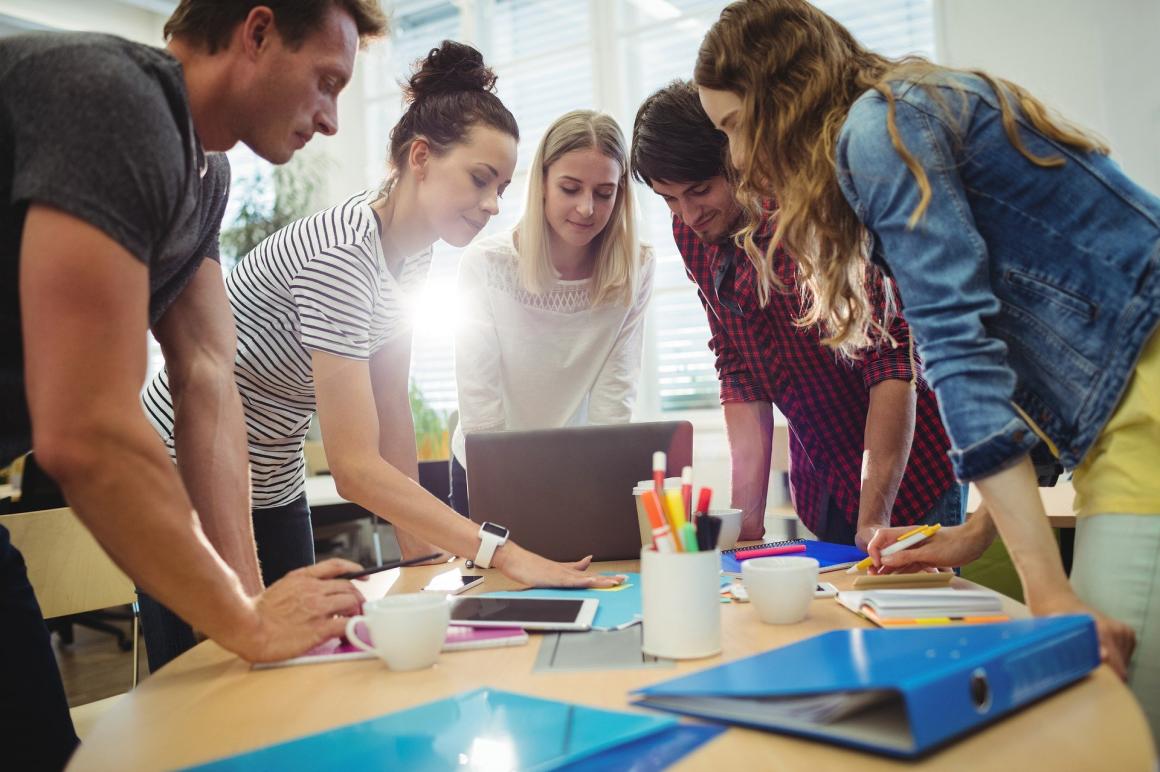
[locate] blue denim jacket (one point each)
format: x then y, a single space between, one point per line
1022 284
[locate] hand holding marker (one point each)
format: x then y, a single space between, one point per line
908 539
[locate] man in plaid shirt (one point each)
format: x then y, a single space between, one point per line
836 408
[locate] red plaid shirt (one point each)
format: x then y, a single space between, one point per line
763 357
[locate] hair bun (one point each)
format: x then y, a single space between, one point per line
450 68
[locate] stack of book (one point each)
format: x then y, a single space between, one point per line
903 608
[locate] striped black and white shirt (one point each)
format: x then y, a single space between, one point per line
319 284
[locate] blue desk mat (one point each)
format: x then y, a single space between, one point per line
617 608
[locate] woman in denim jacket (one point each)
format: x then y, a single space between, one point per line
1026 261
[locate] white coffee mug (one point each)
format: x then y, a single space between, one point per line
406 631
730 527
780 588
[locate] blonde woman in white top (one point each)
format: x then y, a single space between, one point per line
555 306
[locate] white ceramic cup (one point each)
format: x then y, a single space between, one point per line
780 588
680 603
730 527
406 631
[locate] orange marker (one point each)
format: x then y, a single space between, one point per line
662 535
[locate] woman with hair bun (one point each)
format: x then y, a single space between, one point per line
555 306
322 325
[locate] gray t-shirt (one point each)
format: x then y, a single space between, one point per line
100 128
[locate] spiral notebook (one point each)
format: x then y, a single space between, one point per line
830 557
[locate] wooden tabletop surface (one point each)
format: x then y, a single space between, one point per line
208 704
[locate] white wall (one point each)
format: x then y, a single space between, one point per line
90 16
1098 63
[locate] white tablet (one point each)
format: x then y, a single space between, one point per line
528 613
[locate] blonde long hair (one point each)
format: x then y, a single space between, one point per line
618 255
797 73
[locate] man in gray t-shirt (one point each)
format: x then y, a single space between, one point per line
110 203
127 163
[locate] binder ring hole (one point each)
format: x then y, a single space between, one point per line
980 691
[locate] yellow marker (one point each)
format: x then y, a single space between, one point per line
675 509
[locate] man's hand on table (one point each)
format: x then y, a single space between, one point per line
299 611
525 567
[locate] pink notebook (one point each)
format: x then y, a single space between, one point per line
458 639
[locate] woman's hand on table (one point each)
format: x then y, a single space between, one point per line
528 568
411 546
299 611
1117 640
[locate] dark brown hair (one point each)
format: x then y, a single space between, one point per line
797 72
674 141
448 93
209 23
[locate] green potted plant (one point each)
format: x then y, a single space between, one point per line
431 438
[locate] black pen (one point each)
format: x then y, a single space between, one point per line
389 566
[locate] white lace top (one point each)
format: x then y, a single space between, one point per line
528 361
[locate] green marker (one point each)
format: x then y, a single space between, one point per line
688 536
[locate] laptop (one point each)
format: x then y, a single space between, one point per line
567 493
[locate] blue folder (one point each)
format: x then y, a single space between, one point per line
829 555
482 729
895 692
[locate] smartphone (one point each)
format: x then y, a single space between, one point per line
825 590
452 582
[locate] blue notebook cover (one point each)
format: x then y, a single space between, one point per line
897 692
480 729
826 553
617 608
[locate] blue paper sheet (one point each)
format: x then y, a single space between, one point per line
480 729
615 611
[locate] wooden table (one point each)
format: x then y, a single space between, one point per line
208 704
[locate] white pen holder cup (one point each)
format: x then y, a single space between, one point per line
681 605
642 521
406 631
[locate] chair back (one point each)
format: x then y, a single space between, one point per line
68 570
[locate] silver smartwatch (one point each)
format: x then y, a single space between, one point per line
492 536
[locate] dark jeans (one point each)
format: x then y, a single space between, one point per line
285 542
458 498
36 731
950 509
